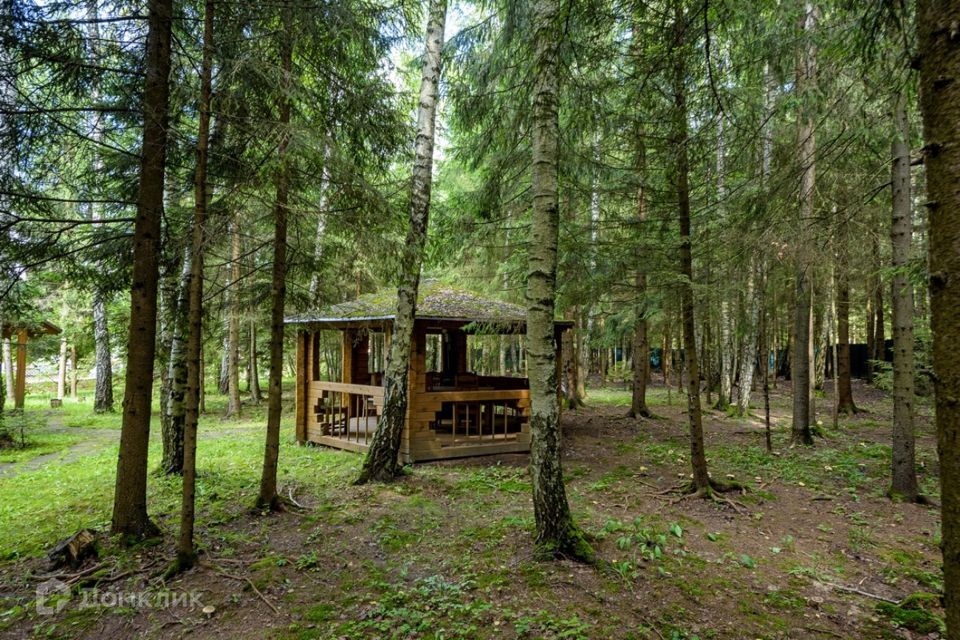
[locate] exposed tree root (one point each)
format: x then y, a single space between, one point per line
643 413
711 492
275 505
920 499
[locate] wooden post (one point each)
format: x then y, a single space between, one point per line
21 385
346 349
301 396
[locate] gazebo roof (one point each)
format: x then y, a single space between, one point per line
435 301
9 329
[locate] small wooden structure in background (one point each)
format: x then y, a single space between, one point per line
451 411
22 333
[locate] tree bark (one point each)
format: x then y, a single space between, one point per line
748 347
582 340
321 221
256 396
556 534
939 57
268 497
801 362
103 393
130 497
233 324
641 343
172 428
904 475
763 351
186 554
62 369
842 375
727 349
698 459
74 378
381 462
8 368
879 335
871 341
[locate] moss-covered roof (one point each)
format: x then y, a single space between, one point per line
434 300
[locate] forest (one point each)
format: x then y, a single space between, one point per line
335 319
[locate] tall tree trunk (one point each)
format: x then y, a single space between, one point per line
381 462
321 221
726 317
748 347
103 393
939 58
167 318
74 377
233 323
582 339
879 335
904 475
641 344
842 374
130 497
62 369
811 359
763 352
223 373
871 341
823 342
172 428
186 555
8 368
268 497
254 374
801 362
698 459
556 533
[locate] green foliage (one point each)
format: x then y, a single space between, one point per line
915 613
431 608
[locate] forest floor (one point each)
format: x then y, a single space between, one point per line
813 549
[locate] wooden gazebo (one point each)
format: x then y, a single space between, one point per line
451 412
22 333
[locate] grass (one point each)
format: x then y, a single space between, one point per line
39 444
445 551
42 505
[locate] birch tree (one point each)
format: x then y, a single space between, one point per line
556 533
381 461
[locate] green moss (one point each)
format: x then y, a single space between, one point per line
915 613
434 300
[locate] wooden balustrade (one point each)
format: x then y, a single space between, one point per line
344 412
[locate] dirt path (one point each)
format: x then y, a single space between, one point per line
94 440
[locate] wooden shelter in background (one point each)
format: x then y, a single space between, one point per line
23 333
451 411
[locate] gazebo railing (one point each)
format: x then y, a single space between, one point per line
347 412
483 416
